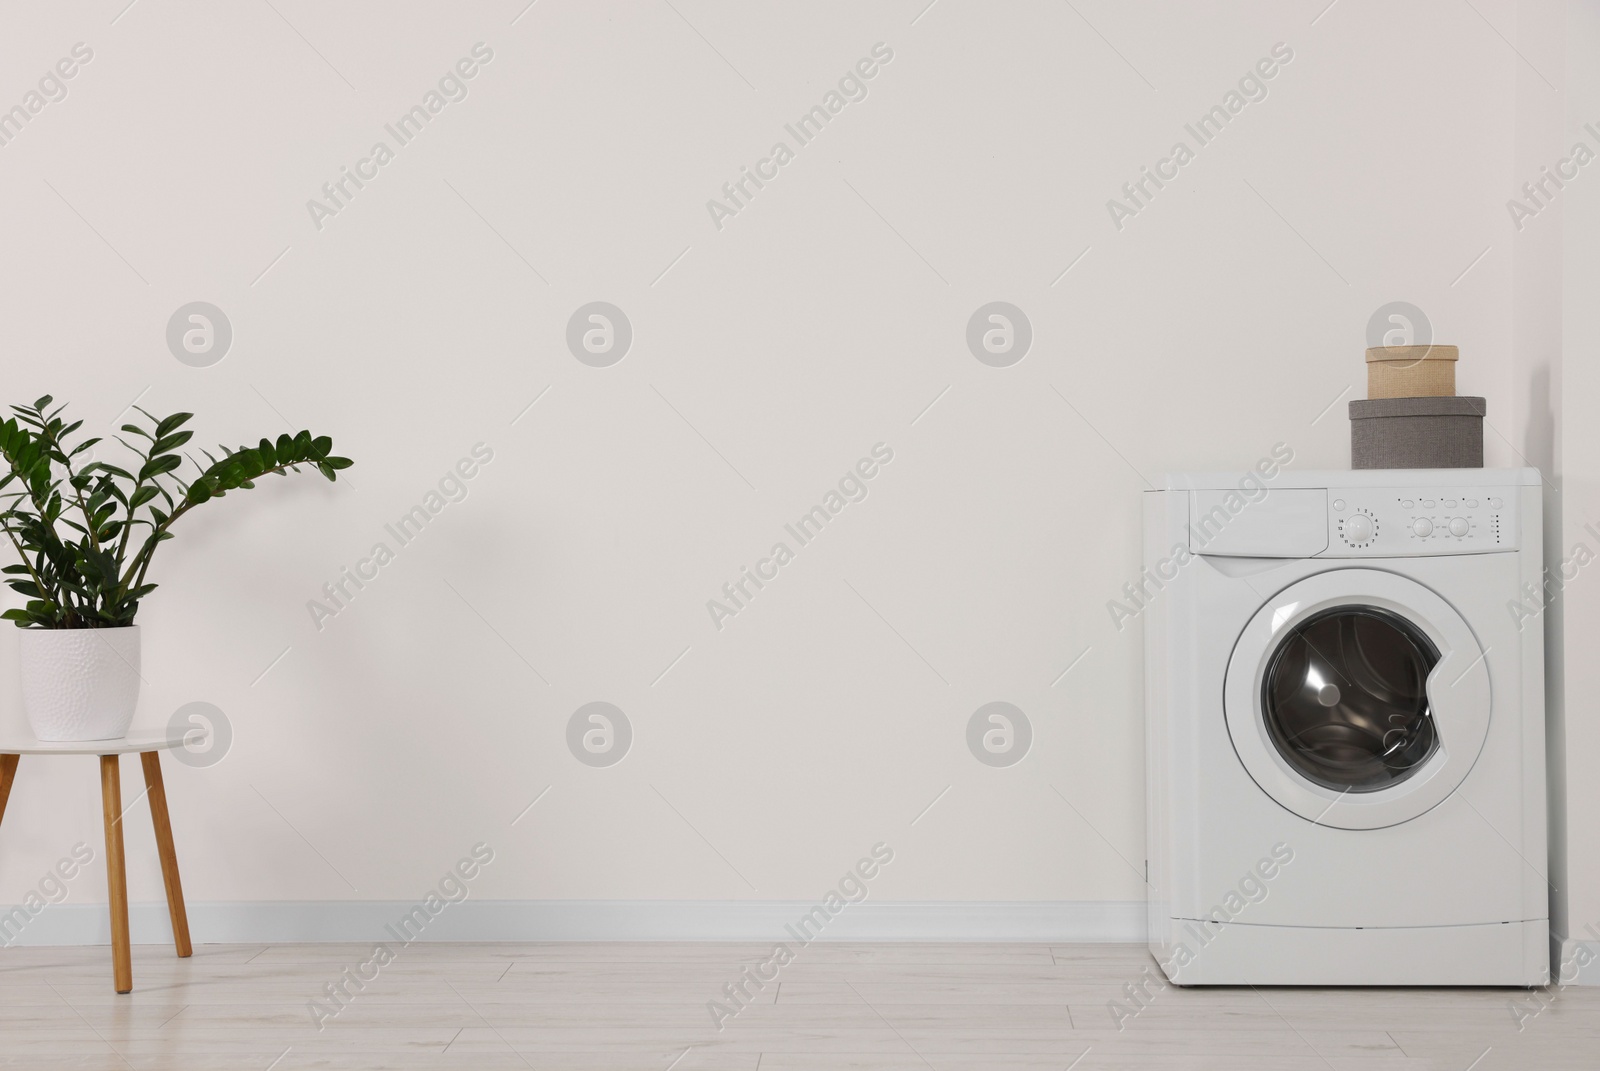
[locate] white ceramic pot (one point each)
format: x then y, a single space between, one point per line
80 683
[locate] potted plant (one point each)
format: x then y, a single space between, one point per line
86 536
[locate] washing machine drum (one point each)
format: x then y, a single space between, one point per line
1358 698
1345 698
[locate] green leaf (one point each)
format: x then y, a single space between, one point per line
158 465
168 443
141 496
135 429
176 420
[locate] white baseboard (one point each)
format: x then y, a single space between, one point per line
597 920
1579 963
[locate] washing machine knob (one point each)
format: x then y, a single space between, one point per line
1358 529
1422 527
1459 526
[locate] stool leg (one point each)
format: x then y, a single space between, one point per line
116 872
169 855
8 774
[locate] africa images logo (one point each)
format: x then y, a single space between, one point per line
1252 88
451 88
850 89
51 89
852 487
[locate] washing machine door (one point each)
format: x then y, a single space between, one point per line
1357 698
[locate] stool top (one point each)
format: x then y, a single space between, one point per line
139 740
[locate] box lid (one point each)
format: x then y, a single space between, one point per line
1412 354
1461 405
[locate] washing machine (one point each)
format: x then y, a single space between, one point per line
1344 706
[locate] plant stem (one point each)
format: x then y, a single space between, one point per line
147 552
72 482
37 582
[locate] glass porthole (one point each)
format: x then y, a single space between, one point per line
1345 699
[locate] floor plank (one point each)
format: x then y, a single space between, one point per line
701 1007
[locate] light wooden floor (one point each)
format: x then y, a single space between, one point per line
621 1007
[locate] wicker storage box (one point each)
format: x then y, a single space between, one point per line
1416 433
1411 371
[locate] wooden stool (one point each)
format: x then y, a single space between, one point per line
148 745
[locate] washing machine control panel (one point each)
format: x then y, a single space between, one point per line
1387 521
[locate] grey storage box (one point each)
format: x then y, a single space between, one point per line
1416 433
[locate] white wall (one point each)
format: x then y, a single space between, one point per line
1227 316
1578 606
